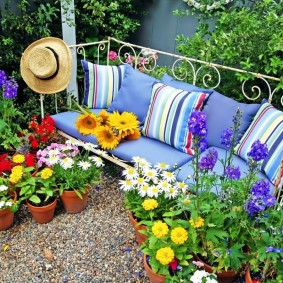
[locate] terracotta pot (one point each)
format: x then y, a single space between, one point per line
225 276
6 216
72 203
153 277
42 214
140 237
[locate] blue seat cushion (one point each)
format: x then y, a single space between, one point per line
187 170
152 150
220 110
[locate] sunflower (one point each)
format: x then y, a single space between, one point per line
104 115
106 138
124 123
133 135
87 123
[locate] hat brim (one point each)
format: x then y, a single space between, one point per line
62 78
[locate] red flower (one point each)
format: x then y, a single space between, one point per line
30 160
5 166
173 264
34 144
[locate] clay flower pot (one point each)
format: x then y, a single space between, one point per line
72 203
6 216
42 214
153 277
140 237
225 276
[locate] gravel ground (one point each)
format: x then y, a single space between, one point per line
96 245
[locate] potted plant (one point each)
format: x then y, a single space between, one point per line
74 169
39 190
8 204
217 210
149 192
10 116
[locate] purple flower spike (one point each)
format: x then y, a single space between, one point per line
233 173
258 151
260 188
226 138
197 124
3 78
207 162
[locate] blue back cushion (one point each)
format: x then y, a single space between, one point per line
220 110
134 94
168 80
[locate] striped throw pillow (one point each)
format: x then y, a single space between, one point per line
267 127
168 115
101 84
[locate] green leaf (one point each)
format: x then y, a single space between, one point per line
34 199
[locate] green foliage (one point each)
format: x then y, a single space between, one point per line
249 37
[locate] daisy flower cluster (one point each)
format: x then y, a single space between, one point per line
109 128
72 165
5 197
150 190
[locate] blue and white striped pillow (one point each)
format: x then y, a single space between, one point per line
267 127
168 115
101 84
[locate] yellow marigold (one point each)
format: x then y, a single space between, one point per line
124 123
165 255
179 235
19 158
160 229
16 174
87 123
106 138
198 223
149 204
46 173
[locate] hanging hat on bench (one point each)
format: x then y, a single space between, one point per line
46 65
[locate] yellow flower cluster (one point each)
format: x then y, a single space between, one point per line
46 173
149 204
160 229
19 158
179 235
198 223
16 174
109 129
165 255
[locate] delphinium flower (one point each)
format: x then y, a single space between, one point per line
10 89
233 173
197 124
227 138
258 152
208 161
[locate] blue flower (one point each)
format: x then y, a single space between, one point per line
227 138
209 160
197 124
233 173
260 188
258 151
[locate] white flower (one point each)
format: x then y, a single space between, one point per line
126 185
162 166
153 191
101 152
143 190
53 159
171 192
97 161
75 142
9 203
3 188
2 203
89 146
54 151
163 185
84 165
183 186
130 173
199 275
169 176
67 162
150 174
139 181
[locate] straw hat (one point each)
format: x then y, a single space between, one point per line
46 65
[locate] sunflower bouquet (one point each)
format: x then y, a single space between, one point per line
109 128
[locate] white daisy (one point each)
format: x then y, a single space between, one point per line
143 190
139 181
84 165
169 176
171 192
89 146
164 185
72 142
153 191
126 185
150 174
162 166
67 162
53 159
130 173
3 188
101 152
98 161
54 151
183 186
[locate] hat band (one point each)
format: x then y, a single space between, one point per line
57 63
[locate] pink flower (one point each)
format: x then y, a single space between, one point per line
129 59
173 264
113 55
198 263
